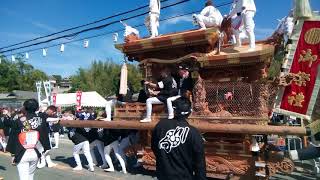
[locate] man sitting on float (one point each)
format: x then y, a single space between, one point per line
209 16
166 87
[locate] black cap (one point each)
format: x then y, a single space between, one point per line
183 67
182 106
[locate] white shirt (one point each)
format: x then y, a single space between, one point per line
212 12
154 6
237 8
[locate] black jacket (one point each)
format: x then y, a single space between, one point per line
179 151
168 88
75 136
36 122
184 85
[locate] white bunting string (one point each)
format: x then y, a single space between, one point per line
44 52
86 43
62 48
27 55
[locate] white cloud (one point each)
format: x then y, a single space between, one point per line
177 20
42 26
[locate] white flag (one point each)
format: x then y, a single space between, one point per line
13 58
44 52
62 48
86 43
27 55
0 60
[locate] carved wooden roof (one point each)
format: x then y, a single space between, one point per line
160 46
237 55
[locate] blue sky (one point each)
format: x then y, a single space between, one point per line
22 20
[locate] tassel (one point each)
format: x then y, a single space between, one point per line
44 52
62 48
27 55
13 58
86 43
123 80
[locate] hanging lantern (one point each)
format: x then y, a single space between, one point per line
115 37
44 52
62 48
13 58
27 55
86 43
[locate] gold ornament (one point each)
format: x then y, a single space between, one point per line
307 56
312 36
296 99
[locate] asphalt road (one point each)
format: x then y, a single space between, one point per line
63 157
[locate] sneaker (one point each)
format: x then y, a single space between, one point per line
52 165
104 166
91 169
145 120
55 147
170 116
77 168
109 170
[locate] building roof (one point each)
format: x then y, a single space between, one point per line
16 94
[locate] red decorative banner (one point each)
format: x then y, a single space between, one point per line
54 98
304 69
78 100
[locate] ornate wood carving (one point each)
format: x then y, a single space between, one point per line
286 166
200 105
218 164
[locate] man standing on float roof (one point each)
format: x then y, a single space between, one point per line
154 16
247 9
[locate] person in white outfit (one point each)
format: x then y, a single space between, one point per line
152 21
209 16
111 140
246 9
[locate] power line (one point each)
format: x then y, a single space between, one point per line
77 27
93 28
111 32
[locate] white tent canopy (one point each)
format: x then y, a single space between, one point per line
88 99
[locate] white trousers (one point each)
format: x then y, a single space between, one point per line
115 146
45 158
28 165
100 145
154 24
249 28
85 147
56 137
205 21
110 104
169 104
149 102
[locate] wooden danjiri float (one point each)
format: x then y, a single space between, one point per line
233 97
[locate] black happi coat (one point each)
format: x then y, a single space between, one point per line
37 123
168 88
75 135
179 151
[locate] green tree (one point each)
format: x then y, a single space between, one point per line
18 75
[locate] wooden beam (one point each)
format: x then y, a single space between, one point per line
202 125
